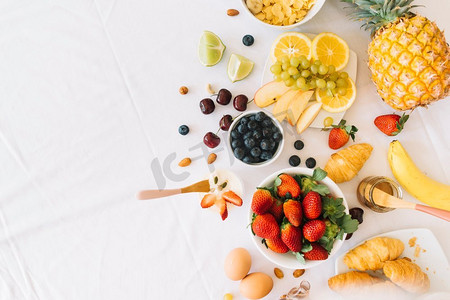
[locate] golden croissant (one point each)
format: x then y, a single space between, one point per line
374 253
351 281
407 275
346 163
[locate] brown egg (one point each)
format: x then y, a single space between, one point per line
256 285
237 264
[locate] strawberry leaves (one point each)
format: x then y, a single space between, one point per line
332 208
400 124
349 129
311 183
347 224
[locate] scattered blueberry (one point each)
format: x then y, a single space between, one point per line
299 145
248 40
310 162
242 129
294 160
252 124
239 153
266 155
183 130
235 134
277 136
236 143
248 159
255 152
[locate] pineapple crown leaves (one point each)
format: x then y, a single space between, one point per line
377 13
349 129
400 124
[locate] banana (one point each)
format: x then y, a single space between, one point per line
420 186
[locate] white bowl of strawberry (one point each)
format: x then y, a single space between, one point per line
299 218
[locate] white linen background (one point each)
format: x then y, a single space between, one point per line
89 99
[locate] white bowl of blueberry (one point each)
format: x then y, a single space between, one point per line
255 138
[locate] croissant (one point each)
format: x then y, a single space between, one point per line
352 280
407 275
346 163
373 253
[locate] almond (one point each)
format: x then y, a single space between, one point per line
185 162
278 273
211 158
299 272
232 12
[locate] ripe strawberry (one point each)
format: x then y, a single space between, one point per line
313 230
291 236
340 134
391 124
261 202
293 212
265 226
285 184
232 197
312 205
277 245
277 210
316 253
220 202
208 200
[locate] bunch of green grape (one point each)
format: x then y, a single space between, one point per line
302 73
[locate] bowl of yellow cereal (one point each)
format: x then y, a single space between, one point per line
284 14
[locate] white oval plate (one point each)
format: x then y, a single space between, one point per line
351 68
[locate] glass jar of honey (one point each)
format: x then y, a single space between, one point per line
367 185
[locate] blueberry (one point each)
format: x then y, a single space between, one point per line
248 40
244 120
310 162
277 136
252 124
235 134
257 134
264 144
242 128
247 135
299 145
267 123
271 144
260 116
183 130
251 118
248 159
236 143
249 143
266 132
294 160
239 153
255 152
266 155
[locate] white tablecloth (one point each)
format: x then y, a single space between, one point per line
89 110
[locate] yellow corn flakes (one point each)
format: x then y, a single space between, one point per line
280 12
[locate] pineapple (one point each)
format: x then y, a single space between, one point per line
408 56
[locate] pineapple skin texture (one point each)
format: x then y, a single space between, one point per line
410 63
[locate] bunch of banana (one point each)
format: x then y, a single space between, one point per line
419 185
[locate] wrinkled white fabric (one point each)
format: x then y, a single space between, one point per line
89 112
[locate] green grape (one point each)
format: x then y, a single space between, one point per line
301 81
285 60
341 83
314 69
285 67
285 76
303 58
312 84
306 73
277 77
331 69
289 82
275 69
321 83
328 121
323 69
295 87
295 61
292 71
305 63
331 84
334 76
343 75
317 62
296 76
342 91
334 91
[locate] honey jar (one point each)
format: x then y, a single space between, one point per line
365 189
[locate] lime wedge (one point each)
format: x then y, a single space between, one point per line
210 49
239 67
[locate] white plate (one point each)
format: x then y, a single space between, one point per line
433 261
288 260
351 68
